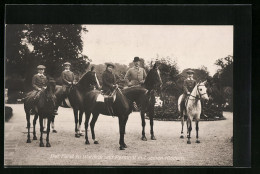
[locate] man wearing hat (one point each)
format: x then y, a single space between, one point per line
67 78
135 75
188 86
39 82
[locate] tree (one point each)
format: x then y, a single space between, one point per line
55 44
51 45
16 50
225 73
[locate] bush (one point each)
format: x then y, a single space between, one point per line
8 113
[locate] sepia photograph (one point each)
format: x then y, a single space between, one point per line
118 95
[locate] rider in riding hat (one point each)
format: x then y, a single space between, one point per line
188 86
135 76
109 79
67 78
39 83
109 84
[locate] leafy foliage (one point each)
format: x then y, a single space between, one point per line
51 45
225 73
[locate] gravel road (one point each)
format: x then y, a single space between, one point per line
215 149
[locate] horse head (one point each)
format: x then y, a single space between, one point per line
202 90
153 81
89 80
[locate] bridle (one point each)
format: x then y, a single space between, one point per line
198 98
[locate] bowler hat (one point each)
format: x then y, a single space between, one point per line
190 71
136 59
67 63
41 67
110 64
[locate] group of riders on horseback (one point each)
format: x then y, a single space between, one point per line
139 85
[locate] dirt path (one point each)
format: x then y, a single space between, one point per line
215 148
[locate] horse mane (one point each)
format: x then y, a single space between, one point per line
86 78
149 79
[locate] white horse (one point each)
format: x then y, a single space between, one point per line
193 109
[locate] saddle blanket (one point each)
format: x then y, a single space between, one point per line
103 98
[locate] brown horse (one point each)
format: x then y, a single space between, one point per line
76 95
45 109
123 105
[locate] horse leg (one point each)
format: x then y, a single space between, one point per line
87 116
53 125
151 115
121 121
44 124
189 125
48 132
41 130
182 124
125 121
34 125
75 111
92 126
80 121
143 126
197 131
28 126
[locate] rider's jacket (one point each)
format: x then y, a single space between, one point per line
108 79
188 85
135 75
66 77
39 81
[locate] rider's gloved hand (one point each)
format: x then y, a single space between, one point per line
115 86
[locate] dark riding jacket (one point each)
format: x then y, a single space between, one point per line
39 81
188 85
67 76
108 79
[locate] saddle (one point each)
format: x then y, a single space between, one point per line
109 99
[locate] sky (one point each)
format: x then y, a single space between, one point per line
190 46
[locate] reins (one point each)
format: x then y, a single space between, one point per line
198 98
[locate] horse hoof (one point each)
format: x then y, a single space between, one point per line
41 144
181 136
28 141
121 148
96 142
144 138
87 142
48 145
35 138
197 141
188 142
153 138
77 135
54 131
125 146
